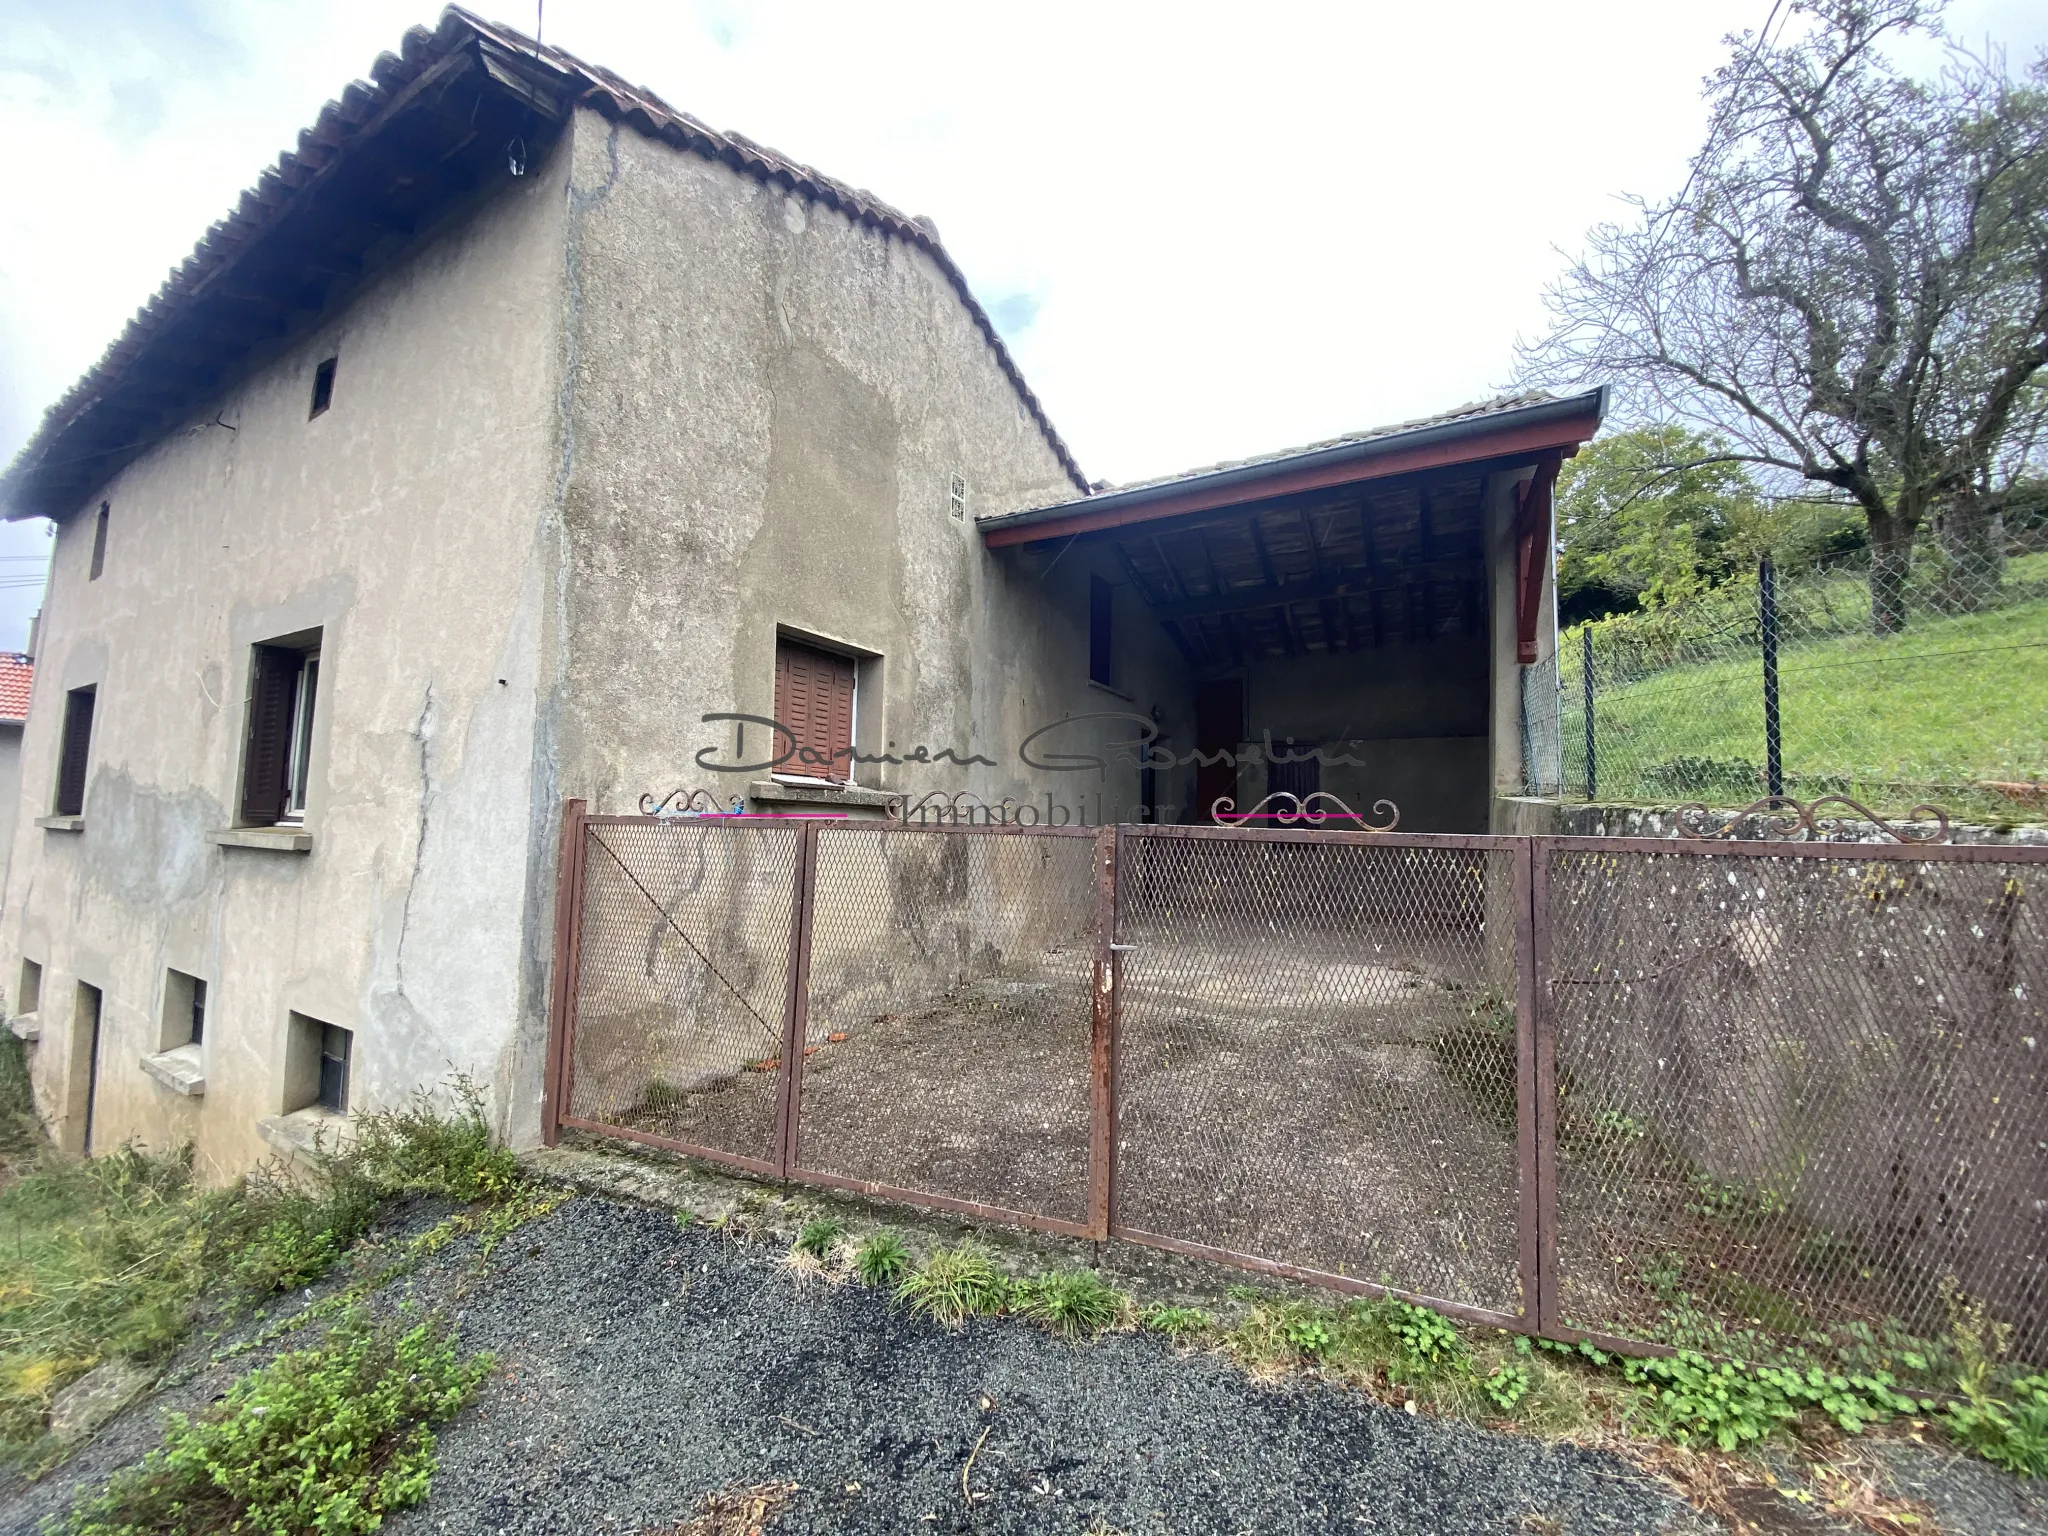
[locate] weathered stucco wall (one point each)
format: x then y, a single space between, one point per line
771 404
411 522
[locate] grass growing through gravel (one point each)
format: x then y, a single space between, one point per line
1072 1302
109 1258
956 1283
330 1439
882 1258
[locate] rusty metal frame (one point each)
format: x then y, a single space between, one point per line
796 1005
1529 1121
1539 1199
1105 1008
1536 1124
561 1057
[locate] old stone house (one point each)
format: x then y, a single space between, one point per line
516 423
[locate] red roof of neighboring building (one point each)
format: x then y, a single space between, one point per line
17 672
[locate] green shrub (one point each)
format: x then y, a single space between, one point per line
956 1283
328 1439
107 1257
818 1236
881 1258
1072 1302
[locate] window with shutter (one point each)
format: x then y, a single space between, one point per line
277 753
814 702
72 754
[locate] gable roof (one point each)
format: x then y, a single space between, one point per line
1504 428
322 215
17 675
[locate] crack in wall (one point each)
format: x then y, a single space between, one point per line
423 733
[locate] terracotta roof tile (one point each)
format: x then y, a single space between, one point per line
17 673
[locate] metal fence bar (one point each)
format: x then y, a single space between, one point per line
1767 625
562 995
797 1004
1527 1124
1543 1062
1105 1000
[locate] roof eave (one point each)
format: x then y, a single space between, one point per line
1525 430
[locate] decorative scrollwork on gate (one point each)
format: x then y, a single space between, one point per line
1802 821
688 802
1315 809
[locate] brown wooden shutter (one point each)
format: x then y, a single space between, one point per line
271 680
814 700
71 759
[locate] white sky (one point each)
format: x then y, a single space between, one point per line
1206 231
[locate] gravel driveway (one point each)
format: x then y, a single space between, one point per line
646 1367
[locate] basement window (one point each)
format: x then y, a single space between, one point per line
323 388
277 754
28 997
71 758
317 1061
99 544
184 1019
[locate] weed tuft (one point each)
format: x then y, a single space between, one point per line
881 1258
1073 1302
818 1236
1179 1324
956 1283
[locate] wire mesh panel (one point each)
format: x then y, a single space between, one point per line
1797 1091
947 1048
681 982
1317 1057
1815 677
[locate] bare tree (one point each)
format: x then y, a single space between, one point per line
1852 288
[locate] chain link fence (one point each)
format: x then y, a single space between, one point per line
1896 689
1741 1096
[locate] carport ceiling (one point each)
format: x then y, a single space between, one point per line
1352 569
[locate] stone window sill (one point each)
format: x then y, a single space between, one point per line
61 823
1112 690
26 1026
310 1133
274 839
179 1070
765 794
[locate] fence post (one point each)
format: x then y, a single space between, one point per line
1528 1217
1107 999
1767 615
796 1000
1543 1018
1586 687
568 951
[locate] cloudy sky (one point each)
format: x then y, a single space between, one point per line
1206 231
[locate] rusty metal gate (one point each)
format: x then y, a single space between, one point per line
1587 1087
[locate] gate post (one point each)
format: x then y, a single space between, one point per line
796 1002
568 955
1106 1001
